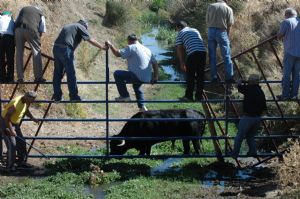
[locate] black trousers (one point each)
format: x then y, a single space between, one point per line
195 65
7 58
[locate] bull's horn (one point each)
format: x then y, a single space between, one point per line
122 143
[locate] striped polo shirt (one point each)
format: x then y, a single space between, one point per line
191 39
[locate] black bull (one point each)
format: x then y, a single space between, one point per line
159 129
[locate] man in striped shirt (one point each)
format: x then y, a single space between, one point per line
189 41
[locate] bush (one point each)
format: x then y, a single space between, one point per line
157 4
116 13
167 35
289 171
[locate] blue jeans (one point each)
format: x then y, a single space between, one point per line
64 62
122 77
248 127
217 36
291 66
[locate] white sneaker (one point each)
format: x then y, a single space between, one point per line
122 99
143 108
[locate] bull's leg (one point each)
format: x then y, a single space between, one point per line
196 146
186 146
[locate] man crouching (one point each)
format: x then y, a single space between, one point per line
10 128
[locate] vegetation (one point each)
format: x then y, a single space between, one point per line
116 13
166 34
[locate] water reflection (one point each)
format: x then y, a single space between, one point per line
162 54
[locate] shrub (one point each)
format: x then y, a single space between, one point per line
156 5
289 171
116 13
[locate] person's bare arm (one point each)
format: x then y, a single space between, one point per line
180 54
114 50
155 73
28 114
8 122
97 44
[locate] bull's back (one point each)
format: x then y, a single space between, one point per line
164 128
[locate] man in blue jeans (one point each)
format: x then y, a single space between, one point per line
139 61
64 46
290 32
219 19
254 104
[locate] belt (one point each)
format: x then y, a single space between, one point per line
22 25
61 45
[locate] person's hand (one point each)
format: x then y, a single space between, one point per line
10 132
183 67
105 47
108 44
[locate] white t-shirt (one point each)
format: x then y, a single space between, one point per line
6 25
139 60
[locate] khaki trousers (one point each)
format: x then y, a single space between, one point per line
23 35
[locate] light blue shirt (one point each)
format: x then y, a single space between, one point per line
42 26
290 28
191 39
139 60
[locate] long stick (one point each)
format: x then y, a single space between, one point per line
33 147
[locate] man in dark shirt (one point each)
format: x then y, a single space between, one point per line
254 104
64 46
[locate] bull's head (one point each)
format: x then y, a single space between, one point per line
117 147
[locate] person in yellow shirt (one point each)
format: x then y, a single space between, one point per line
10 121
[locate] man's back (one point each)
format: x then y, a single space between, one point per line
290 28
139 58
72 34
191 39
219 15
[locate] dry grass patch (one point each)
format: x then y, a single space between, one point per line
289 170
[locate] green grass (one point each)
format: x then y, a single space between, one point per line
152 188
61 185
169 92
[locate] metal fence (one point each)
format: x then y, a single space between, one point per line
218 123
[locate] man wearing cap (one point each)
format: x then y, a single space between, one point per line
10 120
7 47
189 42
254 103
219 19
290 33
30 25
64 46
139 61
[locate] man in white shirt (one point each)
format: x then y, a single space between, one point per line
7 47
139 60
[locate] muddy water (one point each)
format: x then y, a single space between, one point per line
162 53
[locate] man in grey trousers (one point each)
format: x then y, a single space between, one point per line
30 25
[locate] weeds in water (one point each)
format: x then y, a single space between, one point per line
166 34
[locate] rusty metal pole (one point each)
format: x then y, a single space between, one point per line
213 132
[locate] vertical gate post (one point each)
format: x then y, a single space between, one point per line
106 100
